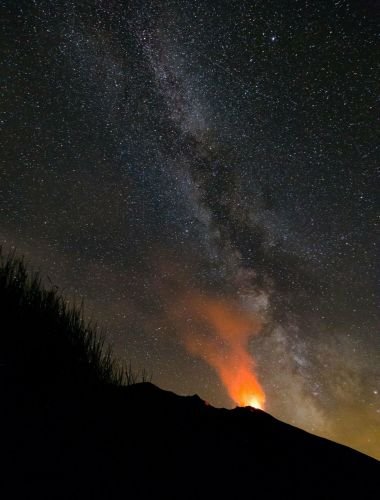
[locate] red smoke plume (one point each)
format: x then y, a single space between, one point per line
218 332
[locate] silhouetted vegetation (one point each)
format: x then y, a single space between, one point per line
44 340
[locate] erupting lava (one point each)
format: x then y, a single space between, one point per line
219 332
255 403
238 376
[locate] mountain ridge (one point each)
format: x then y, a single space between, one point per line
155 444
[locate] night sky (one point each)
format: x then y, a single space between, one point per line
203 174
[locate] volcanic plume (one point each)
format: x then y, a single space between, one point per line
219 332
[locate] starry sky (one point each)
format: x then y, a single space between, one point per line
189 165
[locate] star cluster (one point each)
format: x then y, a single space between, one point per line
154 151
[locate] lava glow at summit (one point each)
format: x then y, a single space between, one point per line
244 388
255 403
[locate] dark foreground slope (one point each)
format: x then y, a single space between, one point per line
142 442
69 429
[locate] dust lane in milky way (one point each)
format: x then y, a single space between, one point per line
184 166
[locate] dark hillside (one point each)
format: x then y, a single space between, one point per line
70 429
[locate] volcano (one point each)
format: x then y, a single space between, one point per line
143 442
70 429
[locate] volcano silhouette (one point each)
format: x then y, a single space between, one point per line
71 430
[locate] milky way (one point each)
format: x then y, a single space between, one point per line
158 153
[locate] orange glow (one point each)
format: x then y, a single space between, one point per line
219 333
255 403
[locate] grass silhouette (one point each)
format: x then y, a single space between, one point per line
45 341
